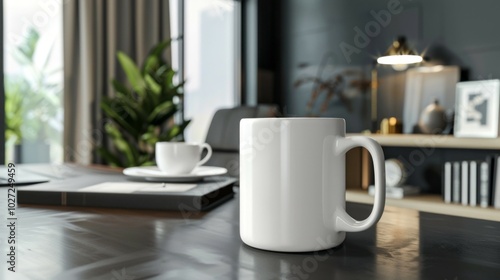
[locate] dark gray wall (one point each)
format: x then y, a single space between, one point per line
455 32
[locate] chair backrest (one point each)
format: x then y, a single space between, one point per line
224 134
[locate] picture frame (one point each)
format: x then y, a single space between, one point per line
424 85
477 109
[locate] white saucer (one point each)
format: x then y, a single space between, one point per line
152 173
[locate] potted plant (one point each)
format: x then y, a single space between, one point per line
142 112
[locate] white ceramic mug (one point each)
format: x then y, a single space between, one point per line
179 157
292 183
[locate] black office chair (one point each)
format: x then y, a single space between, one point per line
224 134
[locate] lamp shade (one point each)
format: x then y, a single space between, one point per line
399 53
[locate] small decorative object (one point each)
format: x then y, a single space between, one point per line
395 174
433 119
395 178
477 109
391 126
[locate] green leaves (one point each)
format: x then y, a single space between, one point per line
134 76
131 154
174 131
117 118
142 110
14 109
121 88
162 109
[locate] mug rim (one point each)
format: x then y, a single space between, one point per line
298 118
167 143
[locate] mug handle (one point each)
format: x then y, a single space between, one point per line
207 156
343 221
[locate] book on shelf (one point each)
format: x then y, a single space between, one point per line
495 191
464 183
472 182
447 182
484 179
456 182
492 167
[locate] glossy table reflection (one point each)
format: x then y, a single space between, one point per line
90 243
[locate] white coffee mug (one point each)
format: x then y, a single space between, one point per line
292 183
179 157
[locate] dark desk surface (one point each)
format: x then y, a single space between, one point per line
90 243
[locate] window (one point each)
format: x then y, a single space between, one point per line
33 78
206 52
211 61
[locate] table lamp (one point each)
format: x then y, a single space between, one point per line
399 56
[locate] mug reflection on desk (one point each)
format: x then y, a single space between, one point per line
258 264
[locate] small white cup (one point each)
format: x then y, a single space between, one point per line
179 157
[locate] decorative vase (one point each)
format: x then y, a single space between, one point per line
433 119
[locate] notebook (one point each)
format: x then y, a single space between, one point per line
113 190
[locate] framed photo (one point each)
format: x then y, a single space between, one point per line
424 85
477 109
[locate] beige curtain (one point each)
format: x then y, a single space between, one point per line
94 30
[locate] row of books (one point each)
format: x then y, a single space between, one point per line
474 183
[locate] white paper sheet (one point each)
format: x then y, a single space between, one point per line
131 187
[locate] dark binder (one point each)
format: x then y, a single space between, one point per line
495 188
492 164
68 192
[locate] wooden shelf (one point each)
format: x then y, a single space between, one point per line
435 141
426 202
431 204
